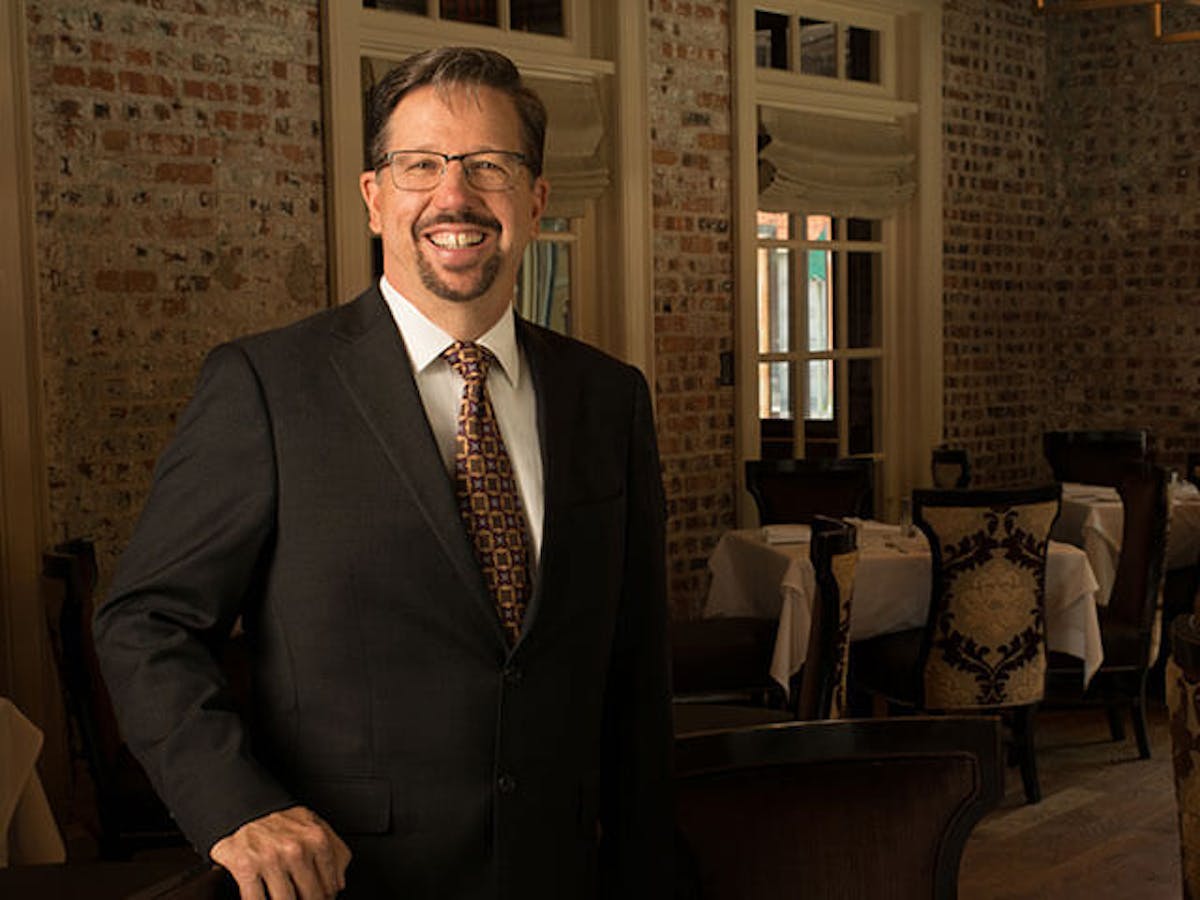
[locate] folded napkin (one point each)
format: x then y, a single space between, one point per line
1084 492
786 534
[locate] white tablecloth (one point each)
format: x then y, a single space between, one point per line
28 832
1092 518
752 576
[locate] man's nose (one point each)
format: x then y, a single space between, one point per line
454 187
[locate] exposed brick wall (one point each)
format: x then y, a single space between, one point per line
690 114
995 235
179 202
1124 263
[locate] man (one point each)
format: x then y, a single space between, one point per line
460 683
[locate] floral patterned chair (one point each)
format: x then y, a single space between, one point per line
983 646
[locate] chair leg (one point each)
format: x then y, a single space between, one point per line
1116 719
1023 739
1138 710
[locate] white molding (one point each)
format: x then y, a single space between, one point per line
745 132
633 175
24 654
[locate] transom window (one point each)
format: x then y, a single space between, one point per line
828 48
534 16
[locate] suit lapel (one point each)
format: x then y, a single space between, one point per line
372 363
556 391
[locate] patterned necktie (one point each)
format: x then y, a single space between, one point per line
488 499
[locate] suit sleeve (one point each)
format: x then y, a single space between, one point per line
637 806
194 559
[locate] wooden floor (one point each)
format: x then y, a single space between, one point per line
1105 827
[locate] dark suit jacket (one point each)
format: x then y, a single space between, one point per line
303 492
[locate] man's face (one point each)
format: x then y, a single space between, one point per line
453 243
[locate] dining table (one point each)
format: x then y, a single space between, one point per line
28 832
1092 518
766 572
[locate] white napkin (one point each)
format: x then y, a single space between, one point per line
1083 492
786 534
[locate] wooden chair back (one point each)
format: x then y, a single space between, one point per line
795 490
950 468
833 551
1095 456
787 810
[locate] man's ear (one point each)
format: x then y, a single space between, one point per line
368 186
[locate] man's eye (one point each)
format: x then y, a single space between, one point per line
485 165
421 165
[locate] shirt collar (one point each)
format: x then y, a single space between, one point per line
426 341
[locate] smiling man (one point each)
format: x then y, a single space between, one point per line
442 530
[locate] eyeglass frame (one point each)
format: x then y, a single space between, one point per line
447 158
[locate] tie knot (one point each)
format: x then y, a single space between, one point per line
468 359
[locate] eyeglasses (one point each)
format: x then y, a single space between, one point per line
422 170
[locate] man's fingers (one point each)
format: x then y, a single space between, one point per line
293 853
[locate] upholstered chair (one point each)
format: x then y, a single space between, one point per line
983 646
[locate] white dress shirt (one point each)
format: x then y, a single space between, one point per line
512 393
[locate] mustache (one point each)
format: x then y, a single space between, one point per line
466 217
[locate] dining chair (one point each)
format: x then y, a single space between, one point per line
795 490
1183 695
1095 456
724 660
845 808
129 815
1130 622
833 551
983 645
950 467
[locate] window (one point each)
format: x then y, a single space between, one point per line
820 317
838 184
587 61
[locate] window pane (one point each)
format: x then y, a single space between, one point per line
481 12
866 394
819 228
863 229
775 390
862 55
544 285
820 390
774 299
770 40
818 48
538 16
820 299
411 6
864 300
774 226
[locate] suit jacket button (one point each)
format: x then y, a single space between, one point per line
513 675
506 783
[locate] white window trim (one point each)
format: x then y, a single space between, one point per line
913 356
615 309
25 662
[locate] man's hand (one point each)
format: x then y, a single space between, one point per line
292 854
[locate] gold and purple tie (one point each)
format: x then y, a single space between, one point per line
488 499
